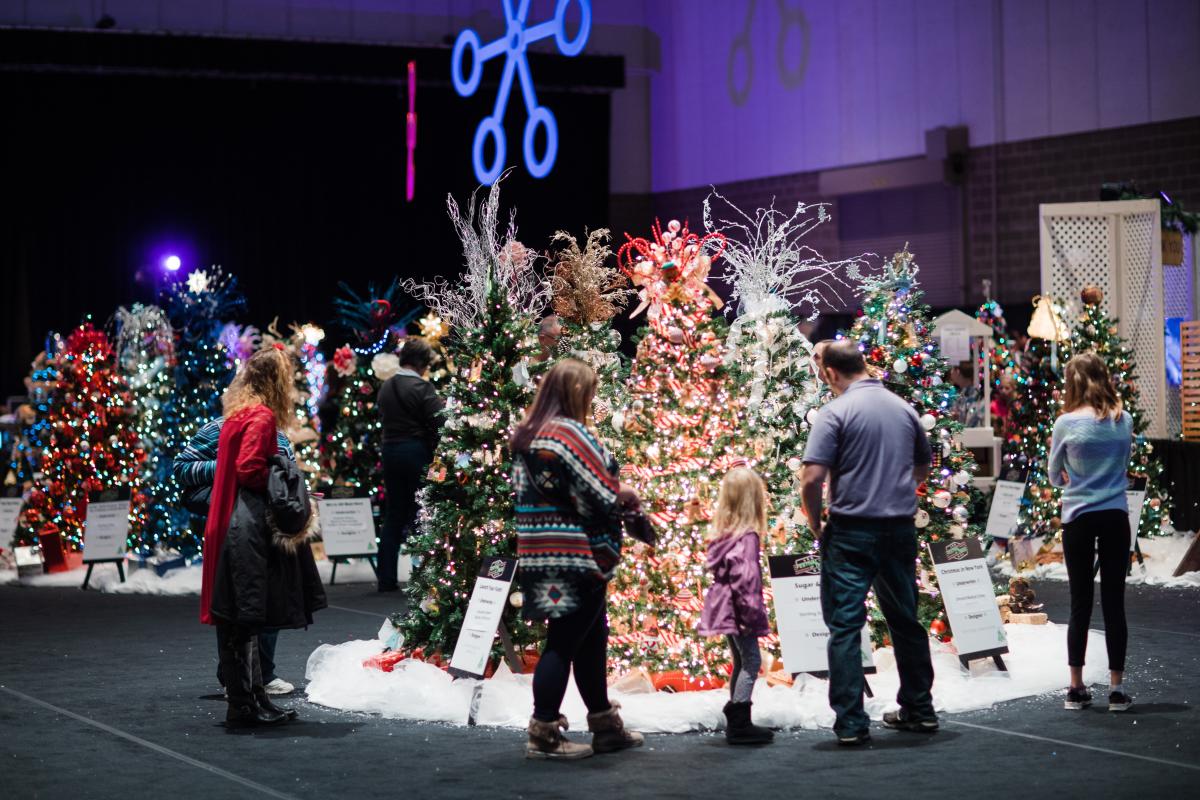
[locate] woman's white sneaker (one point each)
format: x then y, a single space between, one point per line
279 686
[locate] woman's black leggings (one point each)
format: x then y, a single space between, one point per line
1106 532
579 639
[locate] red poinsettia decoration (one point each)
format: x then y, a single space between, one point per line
345 361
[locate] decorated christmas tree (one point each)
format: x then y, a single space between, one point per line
893 333
351 455
1035 406
678 422
145 351
1003 360
466 511
586 294
33 423
198 309
91 444
774 279
434 329
1096 332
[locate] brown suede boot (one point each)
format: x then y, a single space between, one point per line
546 740
609 734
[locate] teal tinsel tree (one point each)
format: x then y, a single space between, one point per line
25 457
197 309
467 509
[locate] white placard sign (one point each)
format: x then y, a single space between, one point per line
966 587
488 598
1135 495
803 637
955 343
1006 505
10 511
106 527
347 524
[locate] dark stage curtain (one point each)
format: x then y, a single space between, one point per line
291 186
1181 475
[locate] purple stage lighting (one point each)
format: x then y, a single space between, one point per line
172 263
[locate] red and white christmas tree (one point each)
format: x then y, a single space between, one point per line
677 424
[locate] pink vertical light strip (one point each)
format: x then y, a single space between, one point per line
410 182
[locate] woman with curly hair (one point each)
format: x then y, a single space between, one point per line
258 571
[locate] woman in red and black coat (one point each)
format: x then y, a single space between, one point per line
256 405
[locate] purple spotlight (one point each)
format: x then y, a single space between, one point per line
172 263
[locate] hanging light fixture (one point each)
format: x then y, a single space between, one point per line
1047 324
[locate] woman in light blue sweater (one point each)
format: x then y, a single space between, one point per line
1089 456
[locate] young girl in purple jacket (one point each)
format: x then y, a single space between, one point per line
733 605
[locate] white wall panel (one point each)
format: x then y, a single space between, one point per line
1122 63
1074 104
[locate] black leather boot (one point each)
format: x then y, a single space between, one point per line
240 669
264 701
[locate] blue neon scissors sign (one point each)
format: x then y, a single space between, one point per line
514 43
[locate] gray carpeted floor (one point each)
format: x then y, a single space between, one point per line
112 697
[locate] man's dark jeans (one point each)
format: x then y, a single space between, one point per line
856 554
405 464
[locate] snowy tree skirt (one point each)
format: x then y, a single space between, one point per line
419 691
1162 555
183 581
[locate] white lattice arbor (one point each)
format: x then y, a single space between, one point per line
1118 247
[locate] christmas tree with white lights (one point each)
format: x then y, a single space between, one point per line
894 334
679 428
466 512
776 278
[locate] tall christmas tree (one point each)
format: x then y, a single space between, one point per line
893 333
678 423
467 509
1037 403
1003 360
586 294
1097 332
351 455
198 309
775 278
145 352
91 446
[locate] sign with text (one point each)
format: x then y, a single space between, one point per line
106 527
966 587
796 585
483 615
1135 495
955 343
10 510
1006 504
347 525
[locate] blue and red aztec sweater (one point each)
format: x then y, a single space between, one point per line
568 522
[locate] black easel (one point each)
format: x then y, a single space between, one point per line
994 654
120 562
340 559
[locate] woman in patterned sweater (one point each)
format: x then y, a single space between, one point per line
568 503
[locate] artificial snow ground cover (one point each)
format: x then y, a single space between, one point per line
1162 555
182 581
415 690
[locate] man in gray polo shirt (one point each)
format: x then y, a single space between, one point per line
871 446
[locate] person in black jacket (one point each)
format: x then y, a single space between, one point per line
412 420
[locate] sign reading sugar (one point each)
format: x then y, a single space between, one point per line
803 636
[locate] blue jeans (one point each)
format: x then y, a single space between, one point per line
405 464
859 553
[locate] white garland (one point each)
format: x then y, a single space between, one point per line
488 257
768 267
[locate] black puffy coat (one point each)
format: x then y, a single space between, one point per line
266 576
